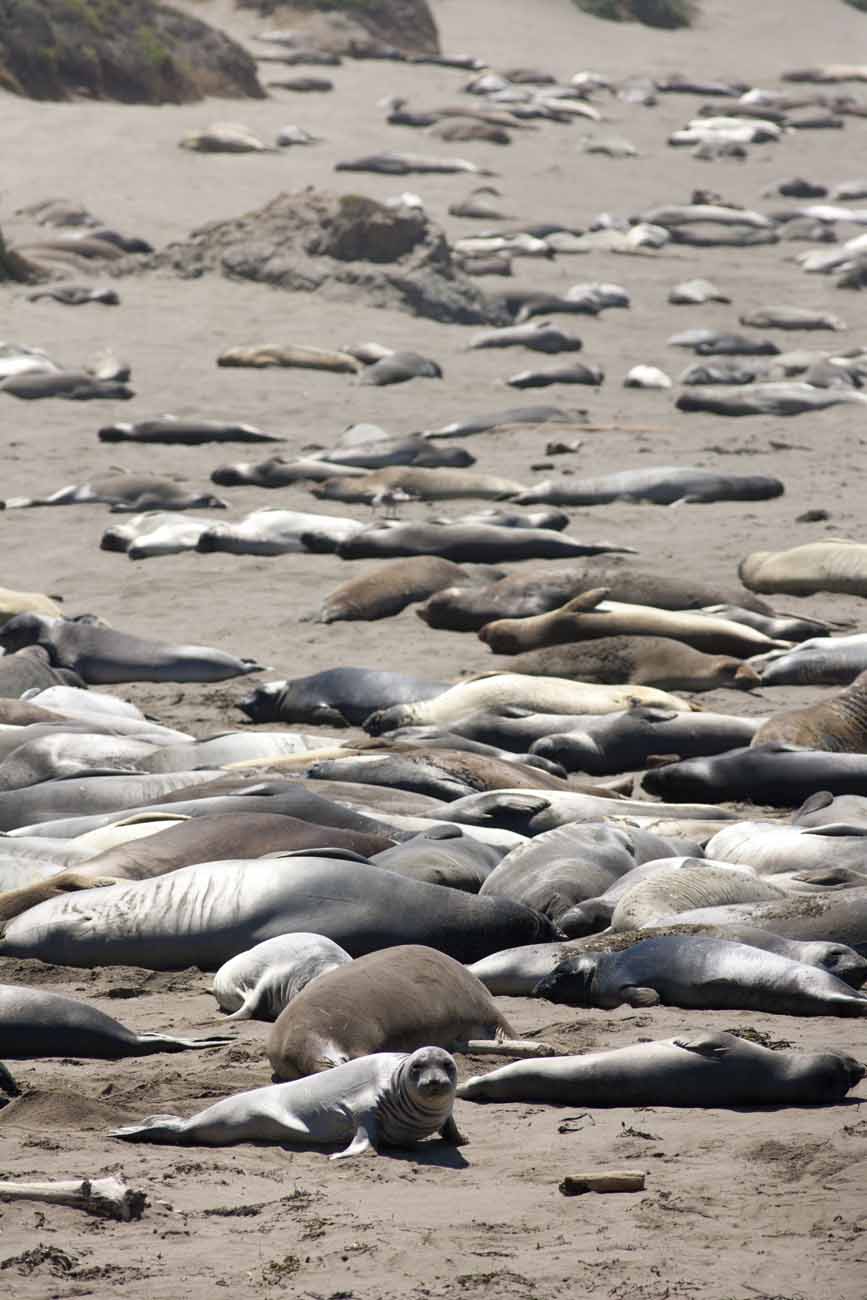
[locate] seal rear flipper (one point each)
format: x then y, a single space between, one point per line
151 1043
364 1140
156 1128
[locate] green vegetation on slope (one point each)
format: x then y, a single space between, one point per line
135 51
653 13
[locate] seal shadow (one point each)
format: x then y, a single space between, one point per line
439 1153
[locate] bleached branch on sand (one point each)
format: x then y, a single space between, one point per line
108 1197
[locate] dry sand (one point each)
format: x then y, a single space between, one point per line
739 1205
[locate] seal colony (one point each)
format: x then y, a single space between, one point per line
336 873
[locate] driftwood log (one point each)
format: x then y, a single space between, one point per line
604 1180
108 1197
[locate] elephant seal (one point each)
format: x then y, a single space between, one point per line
837 917
398 367
591 615
517 971
390 588
694 971
663 486
540 336
260 983
425 484
155 532
388 1100
81 796
442 857
204 914
683 884
771 774
616 741
502 690
388 1001
647 661
336 697
464 543
26 602
838 725
493 422
834 565
709 1069
34 1023
538 591
132 492
102 655
568 864
767 399
31 669
188 433
202 839
819 661
442 773
770 848
273 531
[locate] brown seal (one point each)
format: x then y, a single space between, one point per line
838 724
638 660
394 1000
591 615
388 589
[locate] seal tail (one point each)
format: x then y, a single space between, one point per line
156 1128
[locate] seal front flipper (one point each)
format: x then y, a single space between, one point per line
451 1133
712 1046
634 996
364 1140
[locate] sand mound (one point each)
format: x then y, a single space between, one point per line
44 1111
138 52
355 26
342 246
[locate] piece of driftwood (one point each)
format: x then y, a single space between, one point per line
108 1197
603 1180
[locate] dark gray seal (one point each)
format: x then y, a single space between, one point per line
102 655
617 741
771 774
189 433
694 971
704 1069
31 669
337 697
34 1023
471 543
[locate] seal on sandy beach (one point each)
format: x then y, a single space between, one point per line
390 1099
773 774
35 1023
614 742
502 690
260 983
695 971
663 486
388 1001
838 724
189 433
123 491
464 543
390 587
820 661
336 697
102 655
835 565
710 1069
648 661
426 484
204 914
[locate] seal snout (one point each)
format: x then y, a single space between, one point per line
433 1072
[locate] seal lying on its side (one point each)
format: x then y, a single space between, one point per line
838 724
389 1099
259 983
102 655
392 1000
693 971
34 1023
647 661
703 1070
